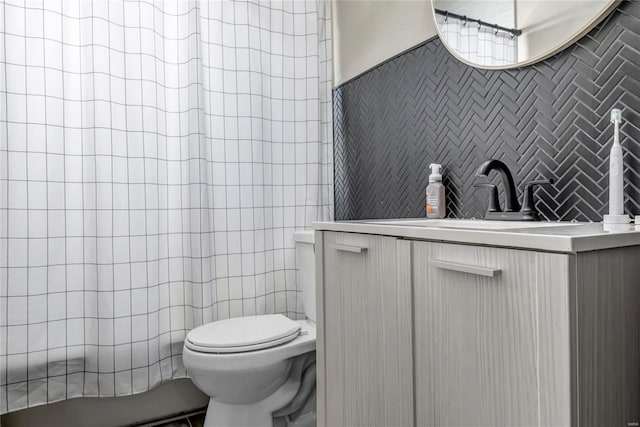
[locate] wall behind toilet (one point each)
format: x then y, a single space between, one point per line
550 120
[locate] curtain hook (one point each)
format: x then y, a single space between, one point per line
446 15
465 20
496 30
479 25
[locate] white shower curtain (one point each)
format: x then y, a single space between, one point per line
477 44
156 157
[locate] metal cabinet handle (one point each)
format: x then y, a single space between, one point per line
347 248
465 268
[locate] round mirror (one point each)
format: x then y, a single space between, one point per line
500 34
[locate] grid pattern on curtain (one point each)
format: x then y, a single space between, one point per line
155 159
476 44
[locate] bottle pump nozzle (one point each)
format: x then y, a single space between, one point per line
435 172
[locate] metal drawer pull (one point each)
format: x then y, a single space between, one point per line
347 248
465 268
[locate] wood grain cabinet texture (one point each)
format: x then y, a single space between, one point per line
491 351
419 333
366 335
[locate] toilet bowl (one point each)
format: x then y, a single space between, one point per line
250 366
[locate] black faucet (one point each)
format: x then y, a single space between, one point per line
512 210
507 180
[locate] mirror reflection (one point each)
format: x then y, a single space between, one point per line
513 33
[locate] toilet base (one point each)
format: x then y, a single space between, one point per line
258 414
226 415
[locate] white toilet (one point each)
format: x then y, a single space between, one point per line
245 364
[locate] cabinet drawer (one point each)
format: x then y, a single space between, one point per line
491 336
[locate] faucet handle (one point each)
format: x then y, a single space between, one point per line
494 203
528 205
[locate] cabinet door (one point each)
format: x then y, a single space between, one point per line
492 344
366 342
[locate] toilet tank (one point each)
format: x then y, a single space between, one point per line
306 270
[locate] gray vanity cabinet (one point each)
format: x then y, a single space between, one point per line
491 336
366 333
431 334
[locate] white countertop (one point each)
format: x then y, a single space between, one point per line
562 237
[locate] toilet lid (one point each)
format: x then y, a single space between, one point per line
243 334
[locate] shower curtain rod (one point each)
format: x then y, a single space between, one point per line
446 14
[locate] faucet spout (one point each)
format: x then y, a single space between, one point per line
507 180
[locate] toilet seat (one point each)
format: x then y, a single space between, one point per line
243 334
206 361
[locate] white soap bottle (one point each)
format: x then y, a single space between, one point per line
436 206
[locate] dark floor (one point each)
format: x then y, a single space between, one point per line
195 419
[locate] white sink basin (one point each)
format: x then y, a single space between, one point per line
473 224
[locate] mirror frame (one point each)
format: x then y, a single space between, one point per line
590 25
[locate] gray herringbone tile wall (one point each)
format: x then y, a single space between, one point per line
550 120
